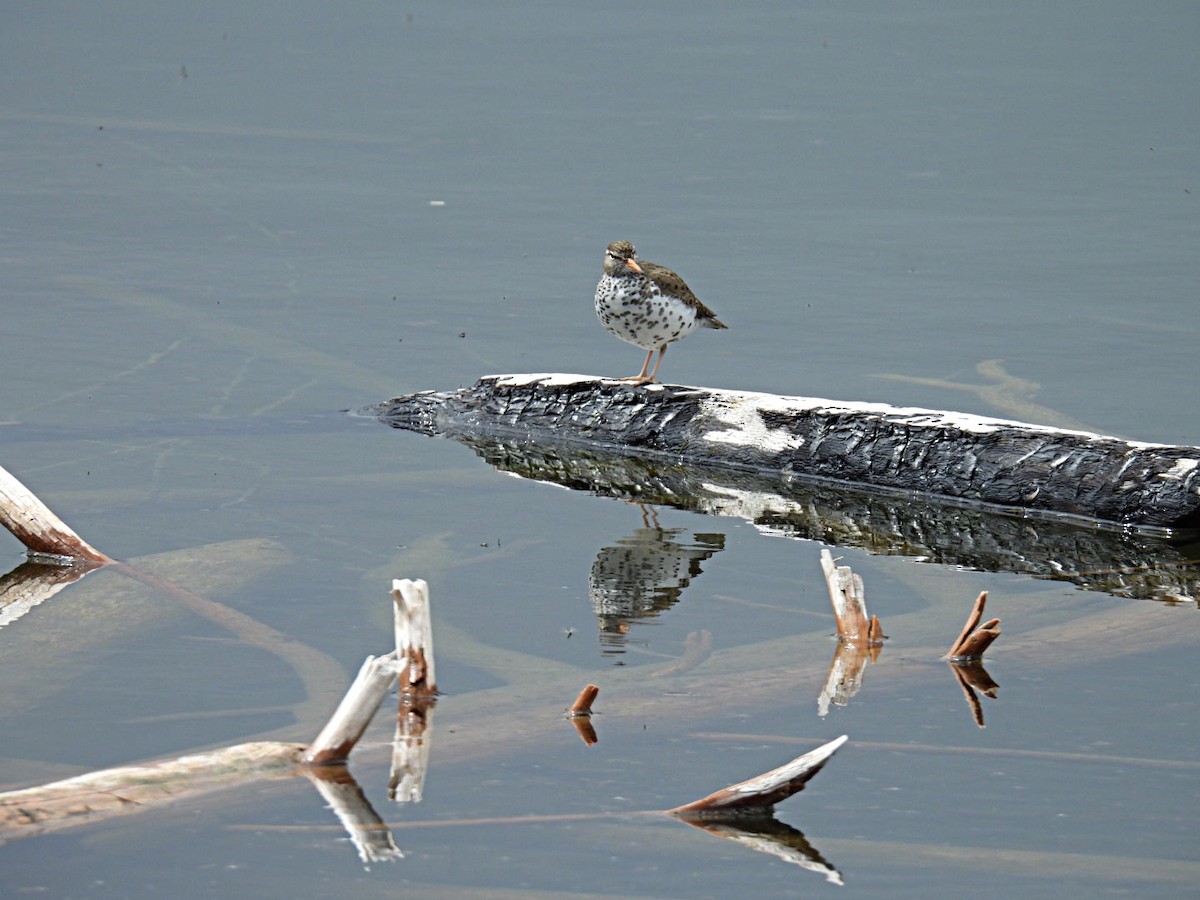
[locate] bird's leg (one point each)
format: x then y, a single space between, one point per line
641 378
662 351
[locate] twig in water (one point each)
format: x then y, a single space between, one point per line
975 638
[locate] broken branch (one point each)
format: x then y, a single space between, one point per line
40 530
975 638
758 795
848 597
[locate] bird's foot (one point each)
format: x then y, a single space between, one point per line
636 379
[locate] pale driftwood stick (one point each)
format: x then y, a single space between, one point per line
583 703
761 793
974 638
34 525
354 713
414 636
127 789
845 595
368 832
848 596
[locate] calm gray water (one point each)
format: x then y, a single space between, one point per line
225 223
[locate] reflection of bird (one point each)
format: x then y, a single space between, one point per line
647 305
643 575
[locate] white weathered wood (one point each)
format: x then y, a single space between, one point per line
348 722
846 595
764 791
33 524
127 789
414 635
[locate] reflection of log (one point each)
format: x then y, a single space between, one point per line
1117 561
845 675
758 795
981 460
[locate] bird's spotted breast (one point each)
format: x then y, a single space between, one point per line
638 312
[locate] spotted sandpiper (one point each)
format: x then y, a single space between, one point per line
648 305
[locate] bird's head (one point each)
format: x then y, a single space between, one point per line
620 258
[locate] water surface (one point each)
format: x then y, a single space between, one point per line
225 224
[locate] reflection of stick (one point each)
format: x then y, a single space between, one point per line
761 793
368 832
975 638
971 675
34 525
410 750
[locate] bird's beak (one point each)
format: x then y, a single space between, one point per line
633 265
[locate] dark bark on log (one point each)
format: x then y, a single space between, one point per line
981 460
561 433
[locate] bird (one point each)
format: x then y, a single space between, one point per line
647 305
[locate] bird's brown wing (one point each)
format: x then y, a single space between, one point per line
670 283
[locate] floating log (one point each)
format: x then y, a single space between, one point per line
972 459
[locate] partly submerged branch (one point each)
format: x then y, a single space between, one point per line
113 792
42 532
758 795
975 638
